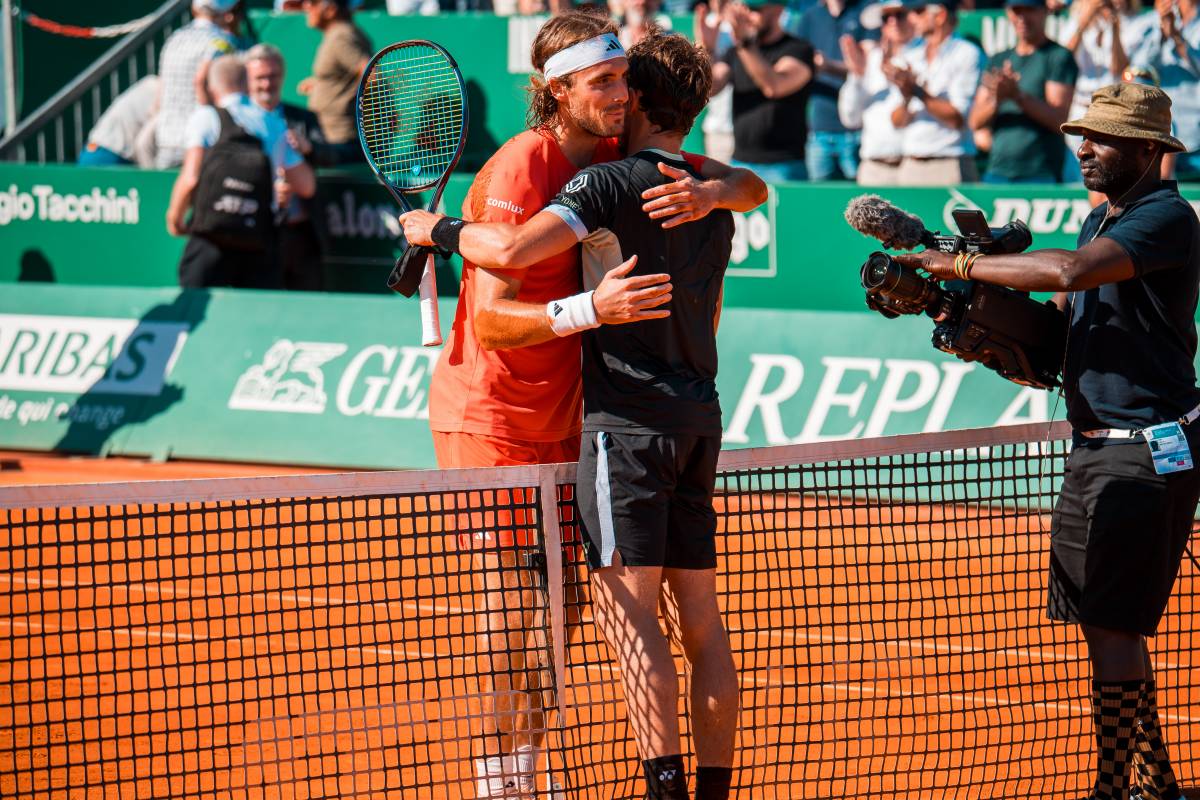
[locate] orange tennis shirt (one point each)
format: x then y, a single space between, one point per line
529 393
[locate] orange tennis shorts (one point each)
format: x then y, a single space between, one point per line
508 521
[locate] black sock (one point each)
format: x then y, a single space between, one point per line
712 783
666 778
1115 709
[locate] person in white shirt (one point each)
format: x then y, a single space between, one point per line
866 100
1101 34
935 92
182 67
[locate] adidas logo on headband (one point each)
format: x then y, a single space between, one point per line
585 54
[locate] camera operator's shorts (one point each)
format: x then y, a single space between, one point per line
1117 536
648 497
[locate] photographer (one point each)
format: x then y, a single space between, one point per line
1124 513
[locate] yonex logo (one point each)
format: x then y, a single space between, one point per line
576 183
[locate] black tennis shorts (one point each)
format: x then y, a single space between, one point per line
1118 533
649 497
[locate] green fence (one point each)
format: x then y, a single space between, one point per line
342 380
71 225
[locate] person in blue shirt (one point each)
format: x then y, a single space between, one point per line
1124 512
832 151
208 262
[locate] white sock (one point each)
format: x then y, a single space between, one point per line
491 774
525 763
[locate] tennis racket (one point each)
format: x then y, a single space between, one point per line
412 124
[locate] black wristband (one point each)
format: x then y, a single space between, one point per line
446 232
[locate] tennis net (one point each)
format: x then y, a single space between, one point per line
329 636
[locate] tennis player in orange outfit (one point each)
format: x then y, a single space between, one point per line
491 406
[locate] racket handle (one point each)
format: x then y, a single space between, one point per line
431 326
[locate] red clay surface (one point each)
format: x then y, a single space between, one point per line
327 650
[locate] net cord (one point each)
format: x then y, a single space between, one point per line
361 484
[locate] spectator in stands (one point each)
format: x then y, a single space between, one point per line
832 150
770 72
718 116
427 8
1172 49
299 244
341 58
638 17
182 70
866 99
935 87
117 137
230 186
1023 98
1101 34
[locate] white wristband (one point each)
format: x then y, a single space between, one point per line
572 314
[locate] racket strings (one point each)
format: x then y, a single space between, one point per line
411 113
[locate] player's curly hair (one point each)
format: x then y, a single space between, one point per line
559 33
673 78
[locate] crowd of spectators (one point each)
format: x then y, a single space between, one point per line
882 92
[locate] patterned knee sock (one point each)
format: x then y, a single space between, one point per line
1153 765
1115 713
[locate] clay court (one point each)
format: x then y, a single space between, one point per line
178 642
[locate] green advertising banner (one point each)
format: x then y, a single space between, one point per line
340 380
106 227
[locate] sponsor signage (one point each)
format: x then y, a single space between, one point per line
343 381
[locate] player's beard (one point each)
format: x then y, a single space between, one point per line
595 122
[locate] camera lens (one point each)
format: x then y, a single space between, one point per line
876 271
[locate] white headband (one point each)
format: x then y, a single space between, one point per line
587 53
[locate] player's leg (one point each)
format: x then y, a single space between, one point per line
621 490
507 655
690 574
713 690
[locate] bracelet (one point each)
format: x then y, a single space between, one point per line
446 231
964 263
572 314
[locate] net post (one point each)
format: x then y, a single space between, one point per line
552 544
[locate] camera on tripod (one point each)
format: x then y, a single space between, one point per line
1004 329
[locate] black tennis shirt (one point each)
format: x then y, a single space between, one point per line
1132 343
655 376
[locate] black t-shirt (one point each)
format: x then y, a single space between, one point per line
766 131
1132 344
656 376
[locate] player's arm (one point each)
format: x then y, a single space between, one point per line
685 199
502 322
493 245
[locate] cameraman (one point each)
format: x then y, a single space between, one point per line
1119 527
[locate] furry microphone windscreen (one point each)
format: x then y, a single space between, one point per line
871 215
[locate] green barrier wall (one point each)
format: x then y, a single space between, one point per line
106 226
342 380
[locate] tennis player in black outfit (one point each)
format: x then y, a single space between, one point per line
652 420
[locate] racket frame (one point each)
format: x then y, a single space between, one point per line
431 334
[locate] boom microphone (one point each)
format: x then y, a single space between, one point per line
871 215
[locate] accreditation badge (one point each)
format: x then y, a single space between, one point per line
1168 448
